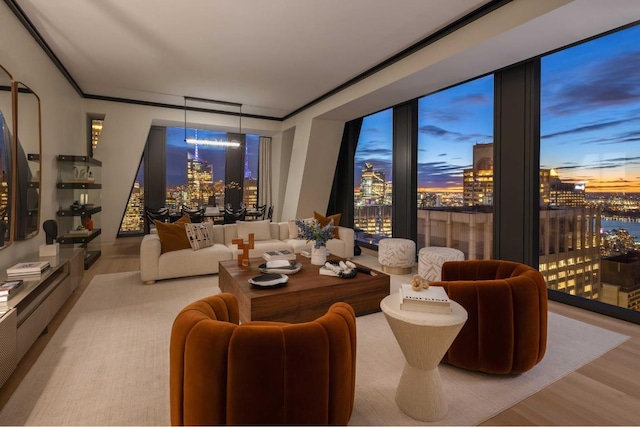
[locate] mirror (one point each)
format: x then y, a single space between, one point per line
28 135
6 144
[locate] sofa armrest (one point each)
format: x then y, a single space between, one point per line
347 235
150 250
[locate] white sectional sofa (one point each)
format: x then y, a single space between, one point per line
268 236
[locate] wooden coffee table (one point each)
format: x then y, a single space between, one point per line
307 296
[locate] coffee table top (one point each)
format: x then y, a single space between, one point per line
306 296
307 278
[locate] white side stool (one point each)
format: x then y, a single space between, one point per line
423 338
431 258
397 256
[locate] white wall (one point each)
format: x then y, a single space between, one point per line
62 116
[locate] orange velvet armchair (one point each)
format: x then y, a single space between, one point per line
260 372
506 332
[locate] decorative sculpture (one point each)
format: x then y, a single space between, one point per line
50 228
243 258
418 283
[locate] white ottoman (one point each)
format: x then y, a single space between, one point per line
431 258
397 256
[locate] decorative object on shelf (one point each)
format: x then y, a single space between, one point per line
75 206
80 231
88 222
243 258
418 283
50 248
311 230
50 228
79 174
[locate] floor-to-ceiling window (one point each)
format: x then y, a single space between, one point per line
455 168
194 175
373 198
133 218
590 169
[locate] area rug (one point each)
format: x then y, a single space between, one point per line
107 364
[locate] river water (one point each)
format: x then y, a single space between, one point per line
631 226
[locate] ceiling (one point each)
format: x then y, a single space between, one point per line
273 57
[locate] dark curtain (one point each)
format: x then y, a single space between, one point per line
341 199
234 171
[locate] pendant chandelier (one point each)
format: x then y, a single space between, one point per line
212 142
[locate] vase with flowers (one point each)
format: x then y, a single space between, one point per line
313 231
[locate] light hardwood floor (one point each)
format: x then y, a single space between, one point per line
604 392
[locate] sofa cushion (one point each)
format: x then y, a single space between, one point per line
198 235
173 236
192 263
324 221
261 229
294 230
299 245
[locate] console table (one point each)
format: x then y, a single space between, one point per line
29 312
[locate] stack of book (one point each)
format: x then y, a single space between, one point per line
27 268
279 255
7 290
432 300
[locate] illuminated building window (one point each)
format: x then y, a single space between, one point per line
373 198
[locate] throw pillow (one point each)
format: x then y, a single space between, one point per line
294 229
324 220
198 235
173 236
261 229
183 219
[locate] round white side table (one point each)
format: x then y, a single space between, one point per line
423 338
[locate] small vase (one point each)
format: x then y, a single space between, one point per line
318 255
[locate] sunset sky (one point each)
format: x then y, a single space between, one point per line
590 121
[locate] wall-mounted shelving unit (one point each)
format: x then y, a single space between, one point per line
32 197
79 194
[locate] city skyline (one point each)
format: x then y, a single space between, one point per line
590 117
177 150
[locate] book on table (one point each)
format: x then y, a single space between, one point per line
432 300
9 288
279 255
28 268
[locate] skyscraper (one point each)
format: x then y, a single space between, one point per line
199 180
373 185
